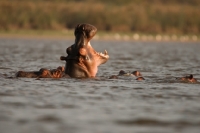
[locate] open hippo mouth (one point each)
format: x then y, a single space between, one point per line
82 60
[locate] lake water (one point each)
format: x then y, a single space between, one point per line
159 104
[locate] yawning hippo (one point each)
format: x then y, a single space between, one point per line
42 73
82 60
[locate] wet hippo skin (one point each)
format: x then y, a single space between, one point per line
189 79
123 73
42 73
82 60
134 73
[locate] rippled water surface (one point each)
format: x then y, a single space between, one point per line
159 104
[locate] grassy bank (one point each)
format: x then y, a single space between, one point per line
101 35
65 34
139 16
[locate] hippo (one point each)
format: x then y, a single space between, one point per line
140 78
134 73
82 60
123 73
113 77
189 79
42 73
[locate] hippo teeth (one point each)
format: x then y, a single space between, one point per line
105 52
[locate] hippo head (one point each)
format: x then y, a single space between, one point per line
82 60
42 73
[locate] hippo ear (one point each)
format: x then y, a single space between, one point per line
76 28
191 76
82 51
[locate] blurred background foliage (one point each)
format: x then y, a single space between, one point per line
145 16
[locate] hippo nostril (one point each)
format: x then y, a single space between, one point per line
69 50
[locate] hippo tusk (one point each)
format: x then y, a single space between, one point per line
105 52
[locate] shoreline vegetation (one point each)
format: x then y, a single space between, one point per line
101 35
160 20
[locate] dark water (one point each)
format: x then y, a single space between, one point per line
160 104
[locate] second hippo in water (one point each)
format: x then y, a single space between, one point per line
123 73
42 73
134 73
189 79
82 60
